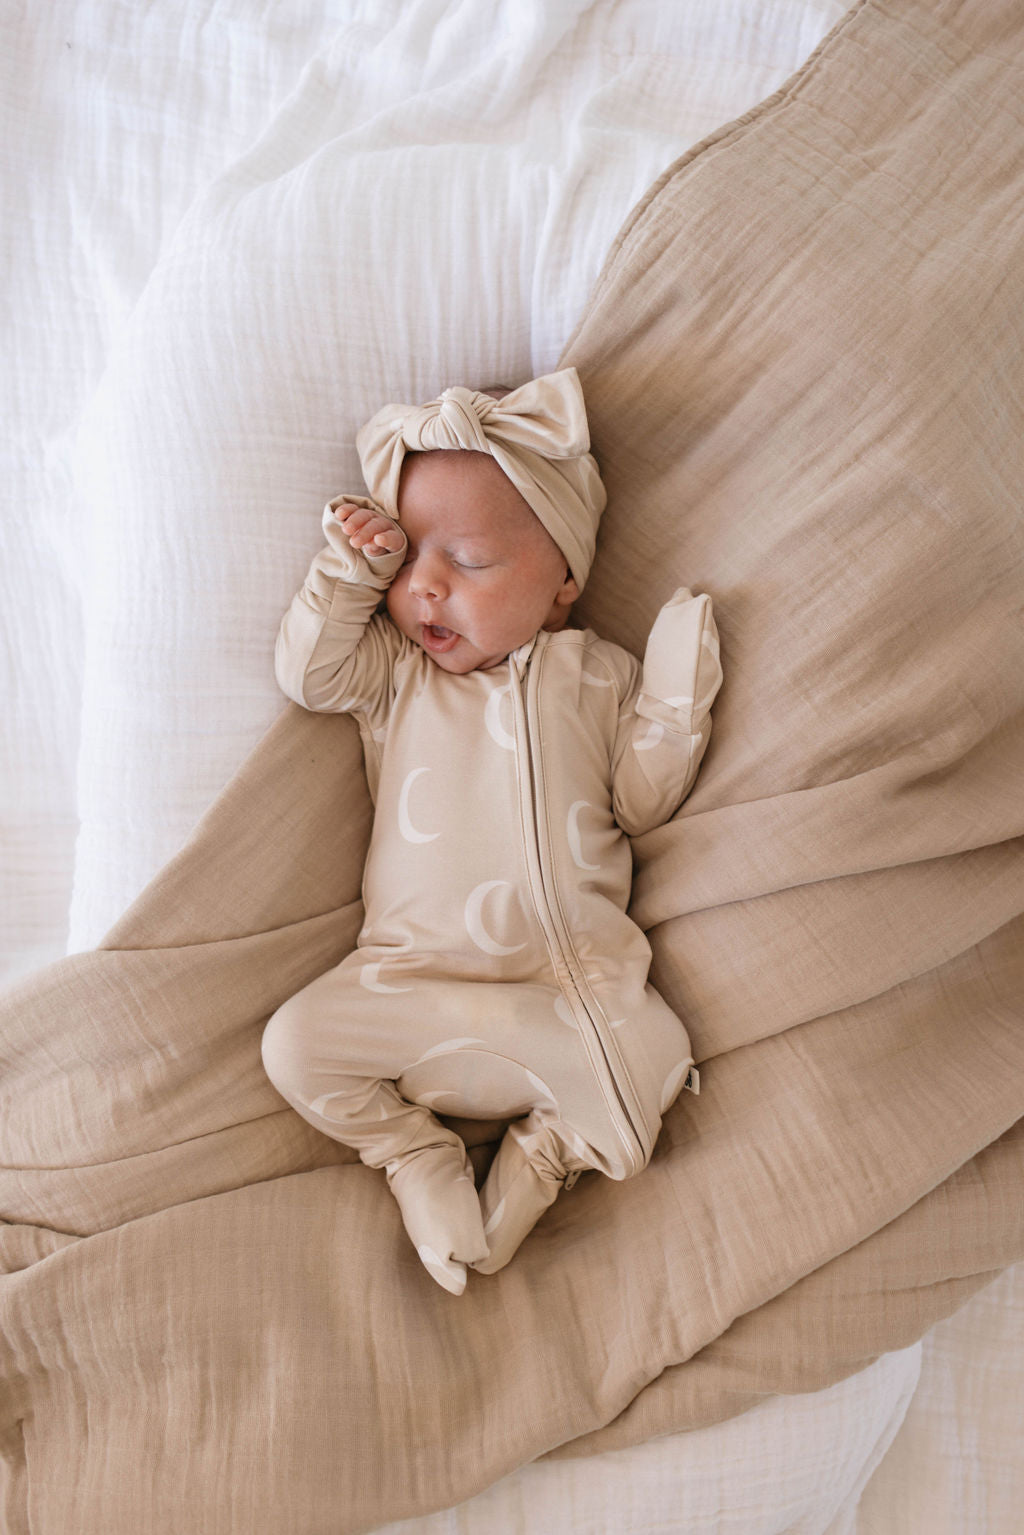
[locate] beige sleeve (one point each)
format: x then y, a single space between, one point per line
332 653
665 723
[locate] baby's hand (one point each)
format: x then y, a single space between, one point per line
369 531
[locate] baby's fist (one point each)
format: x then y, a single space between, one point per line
370 531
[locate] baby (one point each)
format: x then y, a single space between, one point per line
510 758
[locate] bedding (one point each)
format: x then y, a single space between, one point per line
185 1259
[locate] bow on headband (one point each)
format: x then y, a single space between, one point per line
537 434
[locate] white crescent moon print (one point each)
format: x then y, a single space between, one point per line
474 918
446 1047
492 719
563 1012
405 825
319 1105
543 1091
572 832
368 979
431 1100
654 737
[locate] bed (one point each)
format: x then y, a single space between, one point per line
230 236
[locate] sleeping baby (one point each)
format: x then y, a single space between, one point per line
510 757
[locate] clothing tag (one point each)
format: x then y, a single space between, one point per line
692 1082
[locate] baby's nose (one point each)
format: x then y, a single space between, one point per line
426 579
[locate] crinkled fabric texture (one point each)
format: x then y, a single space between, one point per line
211 288
806 400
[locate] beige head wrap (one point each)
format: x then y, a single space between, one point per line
538 435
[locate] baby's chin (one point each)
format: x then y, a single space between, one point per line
458 664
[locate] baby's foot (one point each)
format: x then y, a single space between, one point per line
515 1195
441 1211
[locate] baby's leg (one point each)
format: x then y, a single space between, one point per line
427 1165
526 1177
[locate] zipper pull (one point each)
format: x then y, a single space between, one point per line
519 659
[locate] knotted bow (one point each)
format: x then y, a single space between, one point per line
537 434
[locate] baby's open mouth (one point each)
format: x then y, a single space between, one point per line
437 639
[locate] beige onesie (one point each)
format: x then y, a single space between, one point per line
497 974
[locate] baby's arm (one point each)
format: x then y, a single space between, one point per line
665 724
332 654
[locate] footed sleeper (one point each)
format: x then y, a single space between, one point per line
497 974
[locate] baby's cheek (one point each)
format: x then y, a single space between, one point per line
396 591
392 605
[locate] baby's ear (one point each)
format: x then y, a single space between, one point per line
564 599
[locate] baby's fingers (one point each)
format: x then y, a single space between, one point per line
386 541
354 518
370 530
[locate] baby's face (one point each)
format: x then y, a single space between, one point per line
482 575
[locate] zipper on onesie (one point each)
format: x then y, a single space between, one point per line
605 1058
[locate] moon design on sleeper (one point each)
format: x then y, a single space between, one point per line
447 1047
405 825
368 979
470 1076
474 919
572 831
319 1105
654 737
563 1012
492 719
435 1100
545 1097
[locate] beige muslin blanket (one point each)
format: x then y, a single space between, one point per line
804 373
